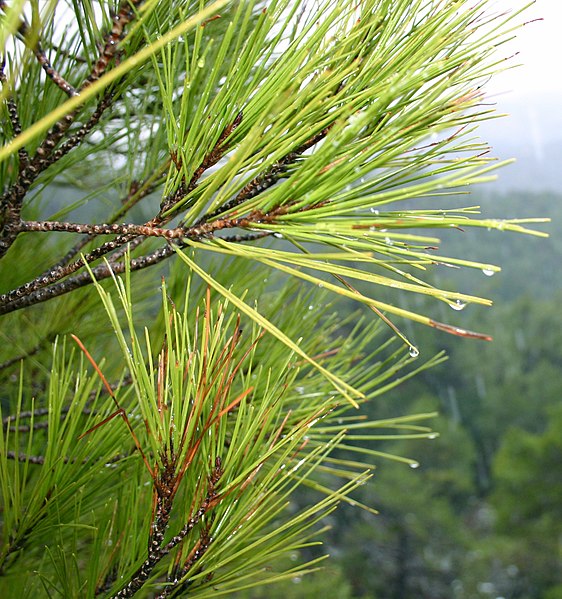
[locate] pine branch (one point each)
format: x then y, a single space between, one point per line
266 180
268 121
32 41
39 460
174 585
157 550
125 14
100 273
37 291
339 111
11 201
13 114
136 193
19 358
127 232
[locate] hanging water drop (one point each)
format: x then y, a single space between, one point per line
457 305
414 351
432 436
278 235
488 272
414 464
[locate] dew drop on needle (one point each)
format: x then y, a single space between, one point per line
457 305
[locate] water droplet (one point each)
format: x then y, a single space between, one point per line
414 351
298 465
374 211
457 305
311 307
201 63
299 390
414 464
278 235
432 436
388 241
488 272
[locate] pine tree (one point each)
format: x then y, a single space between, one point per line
194 193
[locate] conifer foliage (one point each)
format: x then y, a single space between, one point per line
251 161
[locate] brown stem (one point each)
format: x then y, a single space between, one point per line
219 150
13 115
39 460
174 582
121 19
136 193
79 136
11 201
100 272
156 549
25 35
52 73
128 232
266 180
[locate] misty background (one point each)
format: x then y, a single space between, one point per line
531 95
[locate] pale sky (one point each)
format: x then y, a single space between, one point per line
540 50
